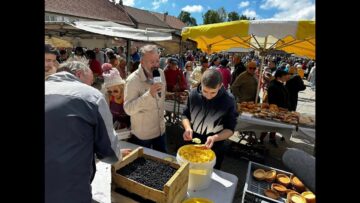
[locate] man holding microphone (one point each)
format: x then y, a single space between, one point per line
144 97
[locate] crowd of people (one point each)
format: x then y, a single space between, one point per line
89 94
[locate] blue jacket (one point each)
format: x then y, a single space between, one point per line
78 125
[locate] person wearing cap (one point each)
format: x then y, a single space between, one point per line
78 127
114 86
225 73
294 85
245 85
279 95
51 63
175 79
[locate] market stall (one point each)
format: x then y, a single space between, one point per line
296 37
222 183
270 118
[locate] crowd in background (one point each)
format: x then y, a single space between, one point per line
124 95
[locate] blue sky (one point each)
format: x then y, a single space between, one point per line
260 9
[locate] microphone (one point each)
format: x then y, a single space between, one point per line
157 78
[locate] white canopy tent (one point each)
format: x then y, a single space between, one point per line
116 30
90 29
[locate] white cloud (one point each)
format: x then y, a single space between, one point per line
250 13
173 5
291 9
244 4
156 3
127 2
193 9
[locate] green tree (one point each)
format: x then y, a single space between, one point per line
232 16
185 17
211 16
222 14
244 17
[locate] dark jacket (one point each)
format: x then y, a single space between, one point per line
294 85
278 94
239 68
209 117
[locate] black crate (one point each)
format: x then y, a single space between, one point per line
254 189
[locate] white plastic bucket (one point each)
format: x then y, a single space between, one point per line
200 173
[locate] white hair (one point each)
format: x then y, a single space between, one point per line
74 66
148 49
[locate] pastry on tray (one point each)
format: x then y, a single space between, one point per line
283 179
270 176
291 191
250 106
271 194
264 105
295 198
298 185
279 188
259 174
309 196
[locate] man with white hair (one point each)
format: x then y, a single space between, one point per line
145 101
78 126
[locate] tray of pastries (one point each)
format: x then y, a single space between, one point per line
269 112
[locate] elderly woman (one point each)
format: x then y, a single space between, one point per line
187 73
114 94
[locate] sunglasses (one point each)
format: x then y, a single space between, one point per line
115 91
252 68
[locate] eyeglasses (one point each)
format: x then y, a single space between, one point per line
252 68
115 91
